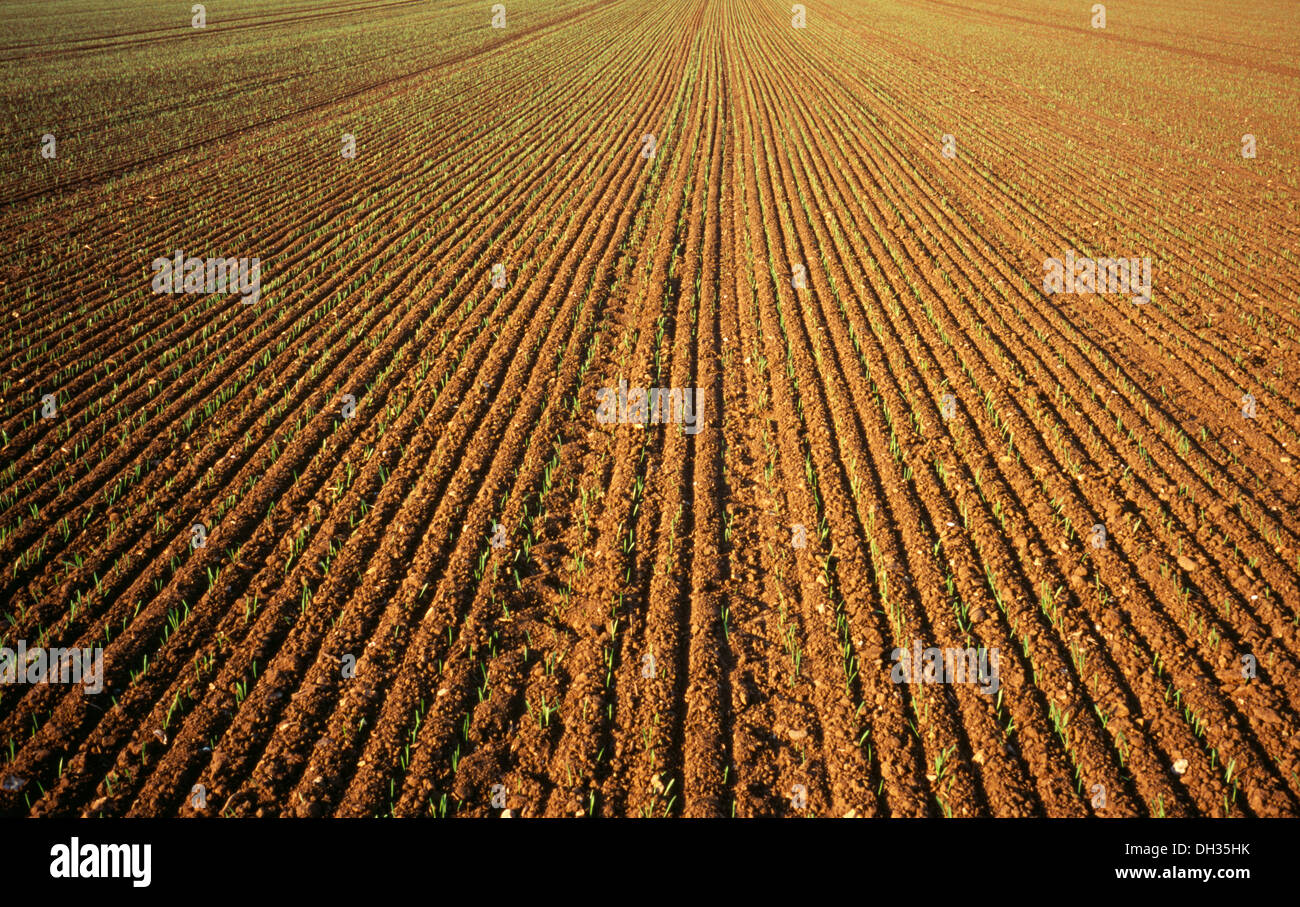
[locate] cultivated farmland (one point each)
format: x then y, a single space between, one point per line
641 408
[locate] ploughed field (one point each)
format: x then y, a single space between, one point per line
628 408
